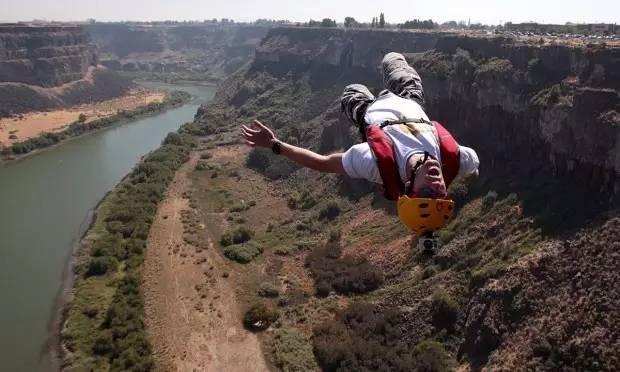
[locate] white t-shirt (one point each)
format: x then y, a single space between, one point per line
359 161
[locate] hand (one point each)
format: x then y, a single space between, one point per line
260 135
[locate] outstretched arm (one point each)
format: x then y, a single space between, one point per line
261 136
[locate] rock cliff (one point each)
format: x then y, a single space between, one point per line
194 51
48 66
44 55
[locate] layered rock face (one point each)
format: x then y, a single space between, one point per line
44 55
211 50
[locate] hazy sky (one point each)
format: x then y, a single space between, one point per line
486 11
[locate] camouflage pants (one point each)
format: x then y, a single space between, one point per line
398 78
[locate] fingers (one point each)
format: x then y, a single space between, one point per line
260 125
246 134
250 143
249 130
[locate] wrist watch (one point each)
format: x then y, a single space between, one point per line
276 147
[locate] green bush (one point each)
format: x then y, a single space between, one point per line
329 210
201 166
458 192
292 351
444 309
243 252
489 200
344 275
260 317
104 343
100 266
237 236
304 200
82 118
431 356
268 290
206 156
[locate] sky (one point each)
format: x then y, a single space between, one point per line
484 11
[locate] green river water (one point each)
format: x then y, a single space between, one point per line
45 203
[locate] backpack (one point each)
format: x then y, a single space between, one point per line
383 148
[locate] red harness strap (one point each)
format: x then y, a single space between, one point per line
383 149
450 154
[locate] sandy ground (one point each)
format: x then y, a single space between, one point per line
192 316
34 123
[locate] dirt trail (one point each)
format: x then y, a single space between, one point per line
192 316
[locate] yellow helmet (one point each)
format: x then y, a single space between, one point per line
424 215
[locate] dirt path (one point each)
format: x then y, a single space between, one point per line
192 316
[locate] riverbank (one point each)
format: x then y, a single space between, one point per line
103 115
104 325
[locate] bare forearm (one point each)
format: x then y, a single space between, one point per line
261 136
312 160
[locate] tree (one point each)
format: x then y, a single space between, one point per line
327 22
382 21
350 22
374 22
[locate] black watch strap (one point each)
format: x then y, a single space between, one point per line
276 147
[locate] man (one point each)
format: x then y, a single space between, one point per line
412 158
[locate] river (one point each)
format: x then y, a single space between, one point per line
45 201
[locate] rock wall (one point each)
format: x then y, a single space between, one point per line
44 55
209 51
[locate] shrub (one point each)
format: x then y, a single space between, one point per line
242 253
201 166
268 290
489 200
260 317
329 211
292 351
104 343
432 356
237 236
344 275
258 159
304 200
82 118
206 156
173 139
13 137
458 192
100 266
362 338
444 309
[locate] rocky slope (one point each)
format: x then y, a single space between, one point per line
208 51
524 275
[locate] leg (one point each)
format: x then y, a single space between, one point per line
402 79
354 102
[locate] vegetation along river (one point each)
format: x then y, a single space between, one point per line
45 203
